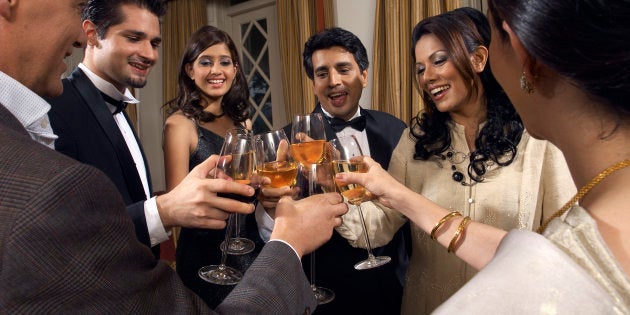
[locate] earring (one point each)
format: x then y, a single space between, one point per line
526 86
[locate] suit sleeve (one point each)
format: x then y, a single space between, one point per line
72 249
274 284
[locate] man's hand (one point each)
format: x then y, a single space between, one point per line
194 202
308 223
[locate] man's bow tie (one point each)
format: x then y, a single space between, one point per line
120 105
339 124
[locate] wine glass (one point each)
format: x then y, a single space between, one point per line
274 160
237 162
307 144
240 245
348 157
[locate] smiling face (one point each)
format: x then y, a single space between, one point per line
128 51
338 81
437 75
41 34
213 72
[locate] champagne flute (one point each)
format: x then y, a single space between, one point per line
274 159
240 245
236 161
348 157
307 144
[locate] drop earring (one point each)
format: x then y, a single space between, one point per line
526 86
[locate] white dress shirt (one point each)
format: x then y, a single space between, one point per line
157 233
29 108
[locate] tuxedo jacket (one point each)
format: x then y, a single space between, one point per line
67 246
373 291
88 133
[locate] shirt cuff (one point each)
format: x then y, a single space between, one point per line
282 241
265 223
157 233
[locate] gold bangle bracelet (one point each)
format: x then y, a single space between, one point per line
442 221
458 234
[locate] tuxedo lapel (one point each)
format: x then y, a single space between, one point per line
94 101
376 140
144 158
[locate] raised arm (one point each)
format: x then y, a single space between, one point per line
477 243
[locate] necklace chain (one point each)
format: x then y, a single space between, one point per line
583 191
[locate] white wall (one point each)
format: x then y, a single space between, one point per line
150 125
357 16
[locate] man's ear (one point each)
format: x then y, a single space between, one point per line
89 28
6 8
479 58
364 78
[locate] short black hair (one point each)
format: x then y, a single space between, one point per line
334 37
106 13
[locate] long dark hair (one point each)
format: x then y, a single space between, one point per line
462 31
235 103
589 46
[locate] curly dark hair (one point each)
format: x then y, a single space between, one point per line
462 31
235 103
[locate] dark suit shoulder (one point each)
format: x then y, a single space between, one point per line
54 205
387 118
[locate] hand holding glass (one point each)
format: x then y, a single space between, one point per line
237 162
348 157
274 160
308 137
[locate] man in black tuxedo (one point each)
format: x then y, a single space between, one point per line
337 62
122 46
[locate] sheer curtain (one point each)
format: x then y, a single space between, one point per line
393 84
297 21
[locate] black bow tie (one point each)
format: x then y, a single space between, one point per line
120 105
339 124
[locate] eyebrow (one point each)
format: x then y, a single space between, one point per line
337 65
142 35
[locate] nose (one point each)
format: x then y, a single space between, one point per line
427 76
215 68
334 78
148 52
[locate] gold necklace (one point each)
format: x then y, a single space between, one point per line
583 191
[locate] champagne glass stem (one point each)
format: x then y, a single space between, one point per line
228 232
313 286
365 233
237 226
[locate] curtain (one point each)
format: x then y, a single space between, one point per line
182 18
297 21
393 86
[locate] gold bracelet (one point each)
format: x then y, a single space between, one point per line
442 221
458 234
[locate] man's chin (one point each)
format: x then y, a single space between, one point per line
137 83
51 90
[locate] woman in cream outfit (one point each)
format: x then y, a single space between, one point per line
532 183
571 86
